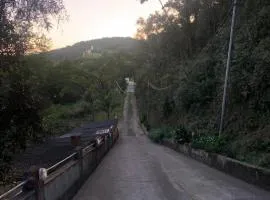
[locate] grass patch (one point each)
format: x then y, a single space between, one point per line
59 119
212 143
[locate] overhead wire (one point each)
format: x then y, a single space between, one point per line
121 90
158 88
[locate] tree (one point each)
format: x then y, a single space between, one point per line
191 50
19 20
20 106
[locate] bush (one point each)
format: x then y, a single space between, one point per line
181 135
60 118
253 148
159 134
156 135
264 160
200 88
212 143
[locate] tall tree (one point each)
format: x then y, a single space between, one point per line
19 106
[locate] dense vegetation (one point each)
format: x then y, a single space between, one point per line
181 83
43 95
178 66
19 102
58 96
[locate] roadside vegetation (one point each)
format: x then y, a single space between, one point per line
57 97
48 94
251 150
177 62
181 82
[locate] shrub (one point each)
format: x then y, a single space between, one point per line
253 149
159 134
181 135
156 135
60 118
212 143
264 160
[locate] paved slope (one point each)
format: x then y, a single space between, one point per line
137 169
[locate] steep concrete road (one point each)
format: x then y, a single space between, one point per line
137 169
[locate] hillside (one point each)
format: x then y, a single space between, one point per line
48 97
191 65
103 45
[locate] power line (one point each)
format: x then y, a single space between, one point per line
161 4
121 90
156 87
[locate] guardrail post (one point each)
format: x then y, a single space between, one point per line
80 158
40 190
34 182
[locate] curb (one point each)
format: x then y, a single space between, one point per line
249 173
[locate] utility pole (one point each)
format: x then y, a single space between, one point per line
227 69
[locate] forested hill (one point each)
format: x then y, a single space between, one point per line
178 66
187 56
103 45
46 95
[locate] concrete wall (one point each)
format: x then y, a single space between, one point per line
27 196
249 173
58 183
66 181
71 173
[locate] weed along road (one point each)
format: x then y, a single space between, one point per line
137 169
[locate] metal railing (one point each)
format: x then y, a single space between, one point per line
60 163
18 190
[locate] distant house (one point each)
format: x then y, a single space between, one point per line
90 53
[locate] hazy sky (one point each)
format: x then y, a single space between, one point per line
90 19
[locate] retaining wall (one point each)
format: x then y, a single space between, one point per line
249 173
